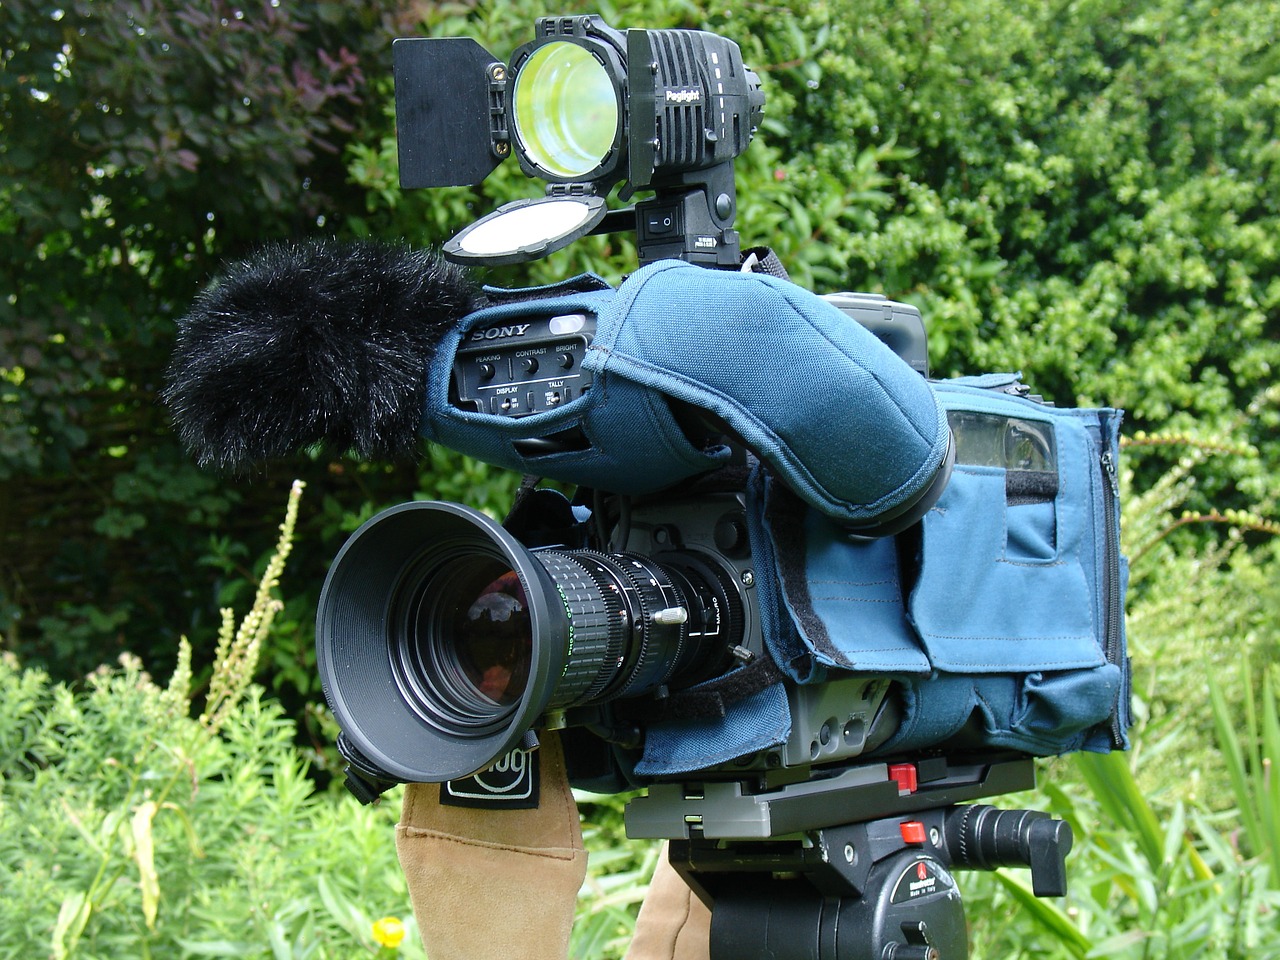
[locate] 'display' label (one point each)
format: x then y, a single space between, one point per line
511 783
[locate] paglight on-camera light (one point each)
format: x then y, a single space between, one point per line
583 107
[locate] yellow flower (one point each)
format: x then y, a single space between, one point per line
388 931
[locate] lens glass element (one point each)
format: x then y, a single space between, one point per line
566 109
493 638
463 641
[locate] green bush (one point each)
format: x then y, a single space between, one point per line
128 829
131 828
140 146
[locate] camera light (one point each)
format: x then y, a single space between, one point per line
584 107
566 110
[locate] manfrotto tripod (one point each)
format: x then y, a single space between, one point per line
856 866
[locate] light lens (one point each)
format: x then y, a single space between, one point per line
566 110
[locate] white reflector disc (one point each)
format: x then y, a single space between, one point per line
526 230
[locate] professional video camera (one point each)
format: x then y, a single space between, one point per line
811 600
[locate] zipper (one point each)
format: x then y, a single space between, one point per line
1114 641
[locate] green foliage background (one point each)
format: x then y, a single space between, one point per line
1084 190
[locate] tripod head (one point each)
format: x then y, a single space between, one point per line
852 867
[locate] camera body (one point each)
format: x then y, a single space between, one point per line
782 581
704 533
811 600
803 594
522 384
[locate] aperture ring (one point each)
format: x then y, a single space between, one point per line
654 649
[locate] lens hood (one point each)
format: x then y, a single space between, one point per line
386 641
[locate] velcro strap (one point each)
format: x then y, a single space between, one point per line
764 260
707 701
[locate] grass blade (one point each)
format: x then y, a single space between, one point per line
1047 914
1112 782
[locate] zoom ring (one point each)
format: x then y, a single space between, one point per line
653 650
597 624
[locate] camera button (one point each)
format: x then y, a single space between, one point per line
912 831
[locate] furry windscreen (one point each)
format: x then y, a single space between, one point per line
312 343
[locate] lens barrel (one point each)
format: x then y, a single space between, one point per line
441 639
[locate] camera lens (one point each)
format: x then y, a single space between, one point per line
441 639
462 639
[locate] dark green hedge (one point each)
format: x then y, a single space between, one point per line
1081 190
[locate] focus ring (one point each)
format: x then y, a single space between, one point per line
654 649
597 634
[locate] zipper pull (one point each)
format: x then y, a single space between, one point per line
1109 468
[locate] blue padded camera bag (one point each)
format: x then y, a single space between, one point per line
834 412
999 616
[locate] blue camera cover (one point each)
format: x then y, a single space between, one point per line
836 414
999 616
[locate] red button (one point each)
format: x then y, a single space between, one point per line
905 776
912 831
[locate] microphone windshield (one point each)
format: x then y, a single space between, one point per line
319 342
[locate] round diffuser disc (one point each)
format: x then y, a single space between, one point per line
526 230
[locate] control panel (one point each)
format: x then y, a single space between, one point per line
529 365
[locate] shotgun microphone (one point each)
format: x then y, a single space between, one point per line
316 342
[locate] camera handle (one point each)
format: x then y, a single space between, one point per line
877 890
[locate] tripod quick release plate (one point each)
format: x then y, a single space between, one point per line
732 810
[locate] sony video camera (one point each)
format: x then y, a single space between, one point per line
801 591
